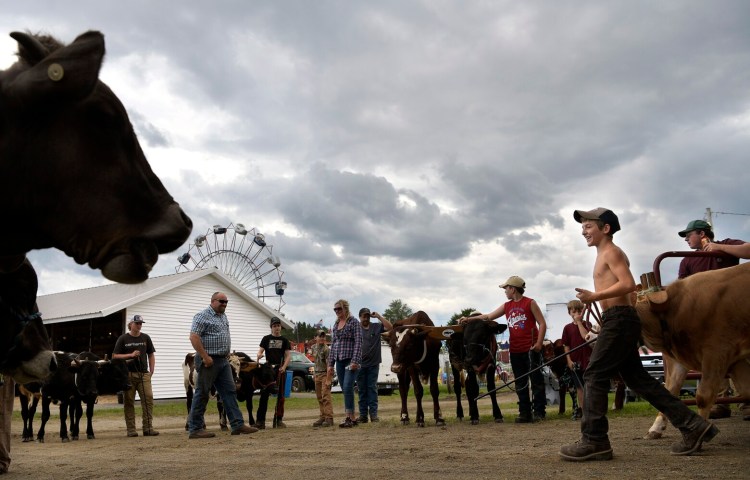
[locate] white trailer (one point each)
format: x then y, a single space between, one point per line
387 380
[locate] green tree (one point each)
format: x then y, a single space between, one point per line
463 313
397 310
301 333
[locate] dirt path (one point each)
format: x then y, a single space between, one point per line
384 450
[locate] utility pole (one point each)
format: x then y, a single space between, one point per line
709 216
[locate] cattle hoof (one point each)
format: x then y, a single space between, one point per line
652 435
74 438
474 422
27 439
224 428
40 440
420 424
440 422
65 439
90 437
404 421
499 420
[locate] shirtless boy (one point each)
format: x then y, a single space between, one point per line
616 351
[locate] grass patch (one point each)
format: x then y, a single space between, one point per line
508 405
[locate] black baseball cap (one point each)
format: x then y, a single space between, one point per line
275 320
604 214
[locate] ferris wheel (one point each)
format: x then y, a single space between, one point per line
241 254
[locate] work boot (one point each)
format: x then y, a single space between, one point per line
347 423
581 451
328 422
150 433
719 411
201 434
319 422
260 425
279 424
362 419
244 430
132 434
692 440
524 418
374 418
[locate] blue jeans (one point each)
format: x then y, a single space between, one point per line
367 382
219 375
616 351
522 363
346 380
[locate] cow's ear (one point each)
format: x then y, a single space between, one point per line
69 73
386 335
497 328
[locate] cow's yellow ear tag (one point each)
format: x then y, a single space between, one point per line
55 72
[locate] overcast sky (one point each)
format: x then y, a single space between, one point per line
427 150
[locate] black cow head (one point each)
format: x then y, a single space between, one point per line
113 377
479 342
86 369
71 168
25 351
254 375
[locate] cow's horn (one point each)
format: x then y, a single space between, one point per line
30 48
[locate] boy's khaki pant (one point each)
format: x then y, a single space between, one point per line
141 383
323 393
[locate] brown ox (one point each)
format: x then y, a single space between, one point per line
72 172
703 322
415 354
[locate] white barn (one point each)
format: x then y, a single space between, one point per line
92 319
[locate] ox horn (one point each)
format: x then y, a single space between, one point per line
658 301
30 48
246 367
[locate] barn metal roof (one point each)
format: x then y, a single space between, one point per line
101 301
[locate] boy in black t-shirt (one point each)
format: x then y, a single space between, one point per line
277 350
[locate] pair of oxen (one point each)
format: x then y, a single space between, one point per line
415 347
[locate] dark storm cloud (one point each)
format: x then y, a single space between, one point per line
377 134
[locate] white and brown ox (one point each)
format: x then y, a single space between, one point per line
248 375
72 174
703 322
415 354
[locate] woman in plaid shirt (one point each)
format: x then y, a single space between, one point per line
346 351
